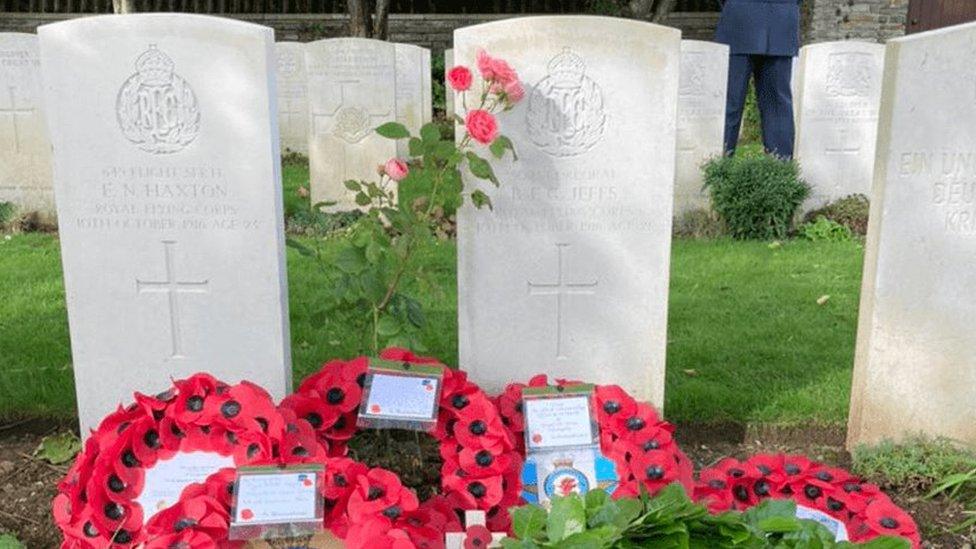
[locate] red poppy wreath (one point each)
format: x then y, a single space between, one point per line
117 484
632 435
370 507
863 509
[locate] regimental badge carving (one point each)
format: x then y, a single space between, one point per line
565 115
351 124
850 74
156 109
287 63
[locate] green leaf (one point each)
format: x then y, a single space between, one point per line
566 518
528 521
353 185
362 199
480 200
415 313
500 145
886 542
480 168
8 541
444 150
350 260
323 204
416 146
430 134
387 327
59 448
393 130
299 247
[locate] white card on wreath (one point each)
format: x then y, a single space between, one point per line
276 498
558 422
402 397
165 481
836 527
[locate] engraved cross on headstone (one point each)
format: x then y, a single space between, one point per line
843 146
290 112
13 112
561 288
173 287
320 120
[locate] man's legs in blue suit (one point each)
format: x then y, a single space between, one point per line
775 99
740 70
773 94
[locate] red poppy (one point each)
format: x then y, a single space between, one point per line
379 492
477 537
884 518
202 514
377 533
479 426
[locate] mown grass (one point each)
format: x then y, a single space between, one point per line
747 340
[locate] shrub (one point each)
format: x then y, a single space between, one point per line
7 213
757 197
699 223
850 211
825 230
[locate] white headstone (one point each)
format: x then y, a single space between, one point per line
292 97
839 87
414 104
914 368
448 91
167 173
569 274
701 119
25 151
351 91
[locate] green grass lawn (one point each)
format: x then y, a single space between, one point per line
747 340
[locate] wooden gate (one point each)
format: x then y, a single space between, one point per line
926 15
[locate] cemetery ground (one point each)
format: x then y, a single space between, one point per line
760 348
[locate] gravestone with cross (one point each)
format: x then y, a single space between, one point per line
170 211
701 119
25 151
351 91
569 274
838 97
292 97
414 105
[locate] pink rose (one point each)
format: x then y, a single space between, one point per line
396 169
514 92
459 78
503 72
484 65
482 126
495 69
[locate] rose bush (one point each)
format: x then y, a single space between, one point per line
377 251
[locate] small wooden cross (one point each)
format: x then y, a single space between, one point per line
455 540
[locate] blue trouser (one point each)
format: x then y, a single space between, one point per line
773 94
